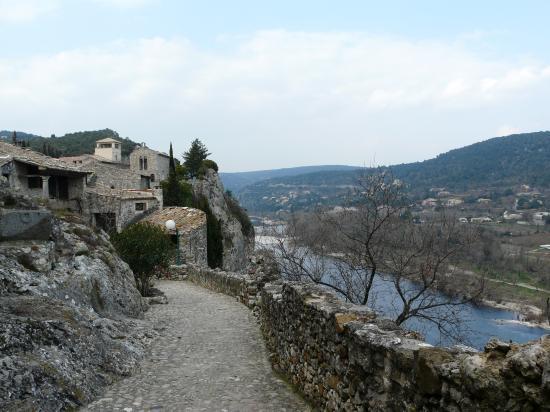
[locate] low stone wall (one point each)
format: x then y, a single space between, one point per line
343 357
245 288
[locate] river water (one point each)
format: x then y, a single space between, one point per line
480 323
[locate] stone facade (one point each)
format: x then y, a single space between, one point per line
344 357
115 209
149 162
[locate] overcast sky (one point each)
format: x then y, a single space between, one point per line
268 84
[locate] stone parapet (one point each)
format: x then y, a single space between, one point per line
345 357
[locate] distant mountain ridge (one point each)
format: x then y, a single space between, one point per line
70 144
238 180
500 162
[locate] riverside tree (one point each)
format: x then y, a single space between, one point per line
193 158
146 248
374 240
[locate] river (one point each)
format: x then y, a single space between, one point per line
480 323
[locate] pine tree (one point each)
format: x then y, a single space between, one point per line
194 156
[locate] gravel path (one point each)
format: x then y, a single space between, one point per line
209 357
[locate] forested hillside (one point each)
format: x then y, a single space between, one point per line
236 181
71 144
496 163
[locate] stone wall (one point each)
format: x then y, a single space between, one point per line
115 176
344 357
158 164
193 245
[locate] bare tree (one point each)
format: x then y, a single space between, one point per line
376 239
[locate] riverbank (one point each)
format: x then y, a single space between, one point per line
524 311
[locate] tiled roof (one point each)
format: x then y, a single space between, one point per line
5 159
124 194
107 140
145 148
186 218
87 159
25 155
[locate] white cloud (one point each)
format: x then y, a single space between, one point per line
343 92
20 11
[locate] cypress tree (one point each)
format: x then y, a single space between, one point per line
172 165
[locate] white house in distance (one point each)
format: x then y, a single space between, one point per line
109 149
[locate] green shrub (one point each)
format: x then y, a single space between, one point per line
145 247
210 164
176 192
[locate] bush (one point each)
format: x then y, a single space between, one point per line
145 247
210 164
176 192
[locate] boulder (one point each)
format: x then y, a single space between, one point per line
17 224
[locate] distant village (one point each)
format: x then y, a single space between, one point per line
526 207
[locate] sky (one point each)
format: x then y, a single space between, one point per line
269 84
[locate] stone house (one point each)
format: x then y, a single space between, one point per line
152 166
34 174
191 228
112 209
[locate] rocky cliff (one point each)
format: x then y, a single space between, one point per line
237 245
69 311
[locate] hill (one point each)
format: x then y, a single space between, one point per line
238 180
494 164
70 144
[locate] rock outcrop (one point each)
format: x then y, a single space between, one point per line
237 246
69 317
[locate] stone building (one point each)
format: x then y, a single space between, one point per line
106 173
109 149
152 166
34 174
113 210
191 228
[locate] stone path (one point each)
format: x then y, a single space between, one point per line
210 357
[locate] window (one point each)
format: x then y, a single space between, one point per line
35 182
105 145
145 163
140 207
116 145
140 163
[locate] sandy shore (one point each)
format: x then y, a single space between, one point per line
522 309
